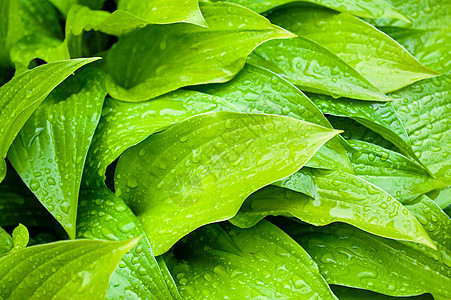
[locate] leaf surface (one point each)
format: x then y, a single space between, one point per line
238 263
50 150
6 242
313 68
257 90
20 237
120 128
342 197
33 86
386 64
201 170
391 171
79 268
102 215
161 58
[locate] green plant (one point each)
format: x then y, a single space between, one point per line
257 149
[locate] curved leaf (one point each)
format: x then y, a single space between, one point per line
6 242
347 293
80 269
314 68
441 196
350 257
50 150
114 221
368 9
341 197
201 170
120 128
22 95
161 58
301 181
425 110
391 171
256 90
164 12
386 64
20 237
379 117
260 262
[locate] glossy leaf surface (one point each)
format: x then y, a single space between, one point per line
20 237
120 128
50 150
33 86
391 171
102 215
6 242
161 58
313 68
256 90
201 170
77 268
341 197
382 61
220 262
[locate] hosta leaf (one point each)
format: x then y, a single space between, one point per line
347 293
430 47
201 170
168 277
301 181
425 110
314 68
256 90
369 9
379 117
382 61
120 128
65 5
441 196
80 269
161 58
341 197
50 150
6 242
350 257
102 215
20 237
391 171
163 12
23 94
261 262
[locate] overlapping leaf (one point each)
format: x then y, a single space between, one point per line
80 269
201 170
256 90
385 63
341 197
391 171
161 58
20 97
50 150
313 68
261 262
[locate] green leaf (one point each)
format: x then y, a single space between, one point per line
425 110
441 196
119 128
161 58
20 237
386 64
102 215
368 9
20 97
301 181
379 117
6 242
50 150
79 268
347 293
350 257
342 197
164 12
391 171
430 47
256 90
258 263
201 170
314 68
